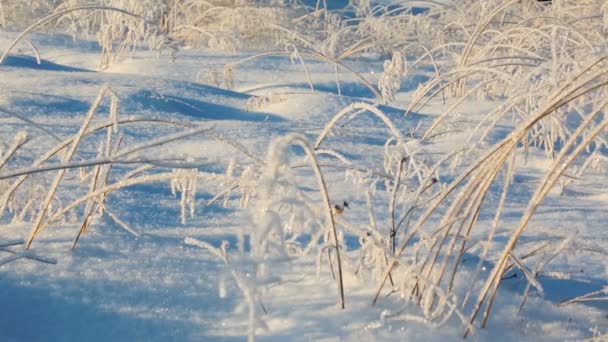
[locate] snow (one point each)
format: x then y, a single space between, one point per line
158 287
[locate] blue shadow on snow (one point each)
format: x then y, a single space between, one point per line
148 100
30 62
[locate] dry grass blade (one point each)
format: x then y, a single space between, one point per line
19 141
68 156
30 122
586 297
329 215
567 155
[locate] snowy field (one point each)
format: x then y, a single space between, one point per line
377 195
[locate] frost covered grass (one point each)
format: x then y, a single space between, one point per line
424 202
21 185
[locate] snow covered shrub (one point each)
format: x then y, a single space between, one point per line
121 30
518 58
161 24
229 25
117 33
363 7
550 79
389 28
581 94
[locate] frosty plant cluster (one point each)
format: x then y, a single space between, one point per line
123 26
543 64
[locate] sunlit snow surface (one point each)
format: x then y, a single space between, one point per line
117 287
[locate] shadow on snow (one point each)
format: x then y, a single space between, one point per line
31 63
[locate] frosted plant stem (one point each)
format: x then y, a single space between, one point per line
445 114
492 233
76 165
56 149
58 178
126 183
32 123
393 232
301 140
100 179
559 166
585 297
308 77
19 141
115 159
389 124
337 78
34 50
422 188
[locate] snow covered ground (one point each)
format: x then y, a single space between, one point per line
115 286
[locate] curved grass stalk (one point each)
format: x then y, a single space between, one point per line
472 214
385 119
100 178
393 231
314 163
30 122
334 154
34 50
418 101
434 206
480 28
467 207
315 55
108 160
559 23
559 166
493 117
428 182
511 142
308 77
503 197
38 223
421 189
353 107
428 53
